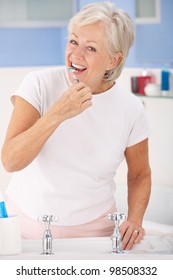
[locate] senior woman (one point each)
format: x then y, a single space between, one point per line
70 131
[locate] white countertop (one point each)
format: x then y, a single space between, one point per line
157 244
151 247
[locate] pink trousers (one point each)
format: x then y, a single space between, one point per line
32 229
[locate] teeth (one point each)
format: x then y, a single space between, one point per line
80 67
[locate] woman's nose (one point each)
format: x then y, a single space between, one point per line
79 51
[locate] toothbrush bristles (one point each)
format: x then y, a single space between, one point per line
71 69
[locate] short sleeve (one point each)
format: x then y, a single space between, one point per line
29 90
141 128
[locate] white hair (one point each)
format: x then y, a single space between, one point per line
119 29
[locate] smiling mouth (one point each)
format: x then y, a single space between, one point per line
78 68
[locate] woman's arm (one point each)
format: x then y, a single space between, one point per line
139 187
28 131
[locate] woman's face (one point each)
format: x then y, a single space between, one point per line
87 52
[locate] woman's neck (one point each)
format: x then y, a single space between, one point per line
103 87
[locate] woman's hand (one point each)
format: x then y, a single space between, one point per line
131 234
74 101
28 131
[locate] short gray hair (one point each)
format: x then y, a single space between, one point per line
119 28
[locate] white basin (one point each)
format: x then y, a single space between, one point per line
157 247
156 244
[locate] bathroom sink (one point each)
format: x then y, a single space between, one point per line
157 247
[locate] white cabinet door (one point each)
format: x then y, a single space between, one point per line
36 13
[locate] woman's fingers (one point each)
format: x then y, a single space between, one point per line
131 234
140 235
85 105
74 101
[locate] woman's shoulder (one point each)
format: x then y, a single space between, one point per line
50 72
48 78
128 98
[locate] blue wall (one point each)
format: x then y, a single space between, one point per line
26 47
46 46
154 42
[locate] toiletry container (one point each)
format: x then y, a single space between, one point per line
165 80
143 80
134 84
3 211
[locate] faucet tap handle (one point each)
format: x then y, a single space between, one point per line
116 217
116 237
48 219
47 236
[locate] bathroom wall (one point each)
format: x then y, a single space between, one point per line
154 42
45 46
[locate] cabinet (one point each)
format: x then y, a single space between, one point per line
147 11
36 13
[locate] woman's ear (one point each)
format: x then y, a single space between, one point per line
114 61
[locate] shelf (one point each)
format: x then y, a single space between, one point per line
154 96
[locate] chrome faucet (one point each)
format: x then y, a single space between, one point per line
47 236
116 237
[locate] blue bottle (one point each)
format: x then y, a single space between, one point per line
3 211
165 79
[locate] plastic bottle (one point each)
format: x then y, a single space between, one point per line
171 84
3 211
146 78
165 79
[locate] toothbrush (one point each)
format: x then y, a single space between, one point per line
72 70
3 211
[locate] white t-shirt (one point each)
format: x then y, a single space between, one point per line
72 177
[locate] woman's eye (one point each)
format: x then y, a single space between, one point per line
91 49
73 42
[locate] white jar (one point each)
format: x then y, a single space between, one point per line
152 89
